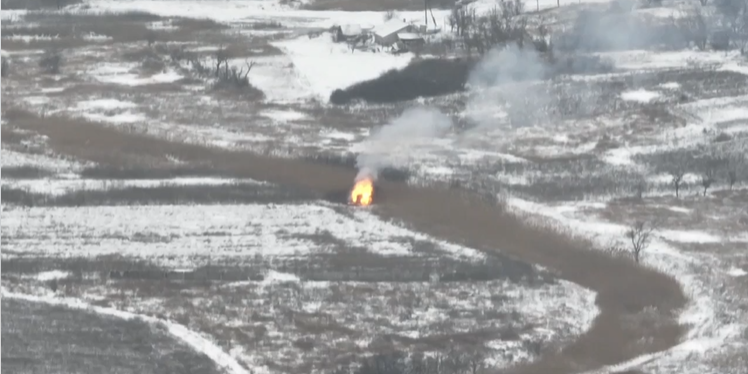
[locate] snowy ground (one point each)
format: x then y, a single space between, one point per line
716 318
285 238
576 168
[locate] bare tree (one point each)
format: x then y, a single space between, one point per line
676 179
222 58
694 27
707 177
640 235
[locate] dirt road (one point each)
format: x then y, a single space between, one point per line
638 305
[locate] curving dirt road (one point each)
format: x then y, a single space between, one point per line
638 305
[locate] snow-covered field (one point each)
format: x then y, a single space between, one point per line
217 233
245 234
657 112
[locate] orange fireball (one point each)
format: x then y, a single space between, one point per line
362 192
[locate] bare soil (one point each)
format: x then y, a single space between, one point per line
627 293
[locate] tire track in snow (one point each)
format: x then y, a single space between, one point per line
200 344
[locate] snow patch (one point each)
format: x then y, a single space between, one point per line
640 95
326 66
94 37
104 104
283 115
682 236
52 275
30 38
273 276
120 74
670 85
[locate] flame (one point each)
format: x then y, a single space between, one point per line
362 192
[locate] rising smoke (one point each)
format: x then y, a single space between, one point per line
510 87
507 88
392 143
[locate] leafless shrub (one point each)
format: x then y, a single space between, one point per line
640 236
226 77
51 61
233 77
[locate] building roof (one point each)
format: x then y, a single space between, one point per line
409 36
390 27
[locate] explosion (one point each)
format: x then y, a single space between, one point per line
362 192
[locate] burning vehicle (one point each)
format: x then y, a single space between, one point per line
362 193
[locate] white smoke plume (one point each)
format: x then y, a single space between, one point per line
396 140
505 87
507 65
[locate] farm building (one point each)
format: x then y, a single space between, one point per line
386 33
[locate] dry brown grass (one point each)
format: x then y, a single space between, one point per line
128 27
625 290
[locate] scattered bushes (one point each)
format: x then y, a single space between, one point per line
424 78
225 76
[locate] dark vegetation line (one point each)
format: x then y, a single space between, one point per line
238 193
